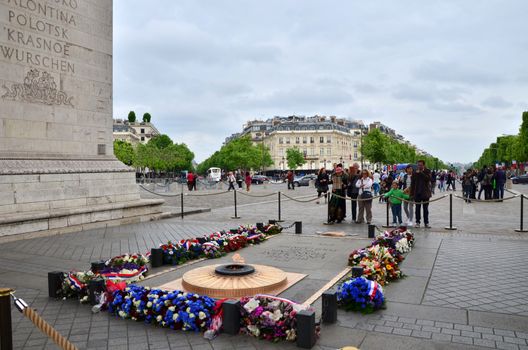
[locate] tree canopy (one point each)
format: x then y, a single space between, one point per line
146 117
295 158
239 153
132 117
160 154
507 148
378 147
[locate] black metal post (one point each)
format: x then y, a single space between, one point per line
236 212
279 206
231 322
450 227
181 204
95 286
357 271
371 231
328 209
387 214
55 279
298 227
521 227
329 312
260 226
97 266
305 329
156 257
6 329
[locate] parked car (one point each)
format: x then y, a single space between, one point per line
521 179
303 180
259 179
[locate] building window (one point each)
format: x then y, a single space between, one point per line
305 152
328 151
281 140
142 131
321 152
321 139
305 139
297 140
329 139
355 155
355 144
312 140
142 138
287 140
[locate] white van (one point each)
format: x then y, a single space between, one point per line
214 174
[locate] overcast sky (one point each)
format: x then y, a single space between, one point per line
450 76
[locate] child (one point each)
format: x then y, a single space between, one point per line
395 195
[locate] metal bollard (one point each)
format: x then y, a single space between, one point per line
371 231
387 215
181 204
521 227
6 329
236 213
260 226
55 279
450 227
279 207
329 312
231 322
156 257
97 266
298 227
305 329
95 286
357 271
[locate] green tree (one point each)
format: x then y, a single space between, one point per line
295 158
523 139
161 141
124 151
132 117
146 117
239 153
374 147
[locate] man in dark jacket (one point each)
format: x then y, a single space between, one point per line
352 190
500 178
421 192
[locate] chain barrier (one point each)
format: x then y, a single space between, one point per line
298 200
255 195
356 199
205 194
287 227
41 324
485 200
423 202
159 194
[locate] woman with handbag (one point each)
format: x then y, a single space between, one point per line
365 192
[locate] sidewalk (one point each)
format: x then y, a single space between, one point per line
464 289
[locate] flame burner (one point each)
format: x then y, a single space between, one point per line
234 270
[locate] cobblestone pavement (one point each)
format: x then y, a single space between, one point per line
464 289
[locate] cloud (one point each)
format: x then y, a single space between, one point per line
455 72
496 102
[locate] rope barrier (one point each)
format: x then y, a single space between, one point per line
179 194
159 194
485 200
298 200
41 324
424 202
257 196
205 194
357 199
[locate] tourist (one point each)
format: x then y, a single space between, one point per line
500 177
231 180
239 179
190 181
289 178
321 183
467 179
487 183
441 181
337 204
449 181
395 196
364 185
376 177
480 180
433 182
248 181
421 192
408 206
352 190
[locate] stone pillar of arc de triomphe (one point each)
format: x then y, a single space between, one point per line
57 167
